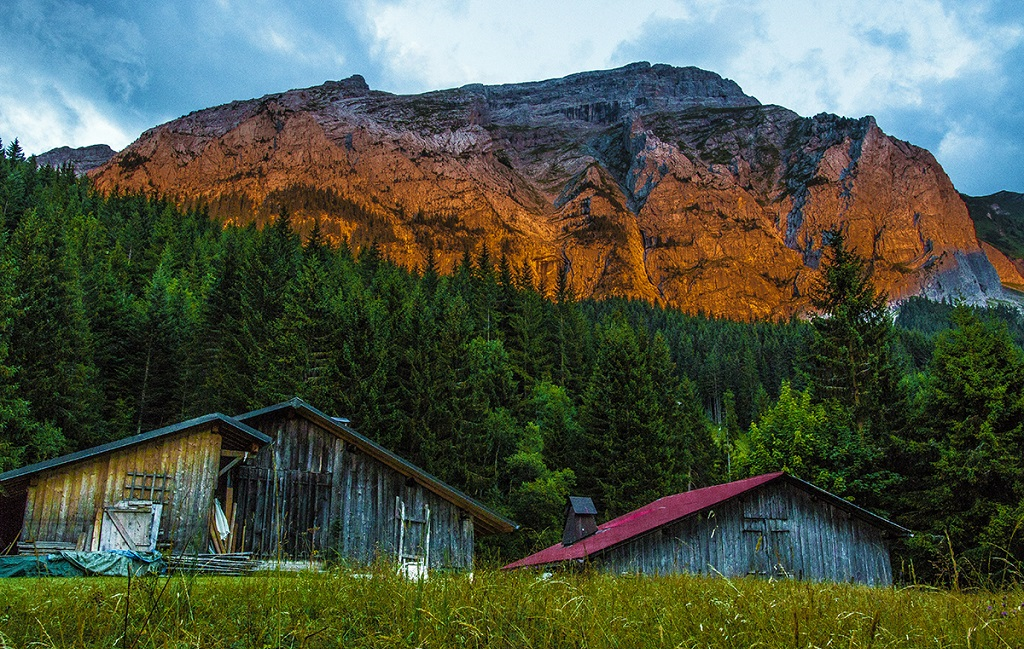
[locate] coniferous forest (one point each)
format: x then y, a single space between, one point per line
124 313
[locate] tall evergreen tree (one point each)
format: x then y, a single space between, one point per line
626 459
851 359
51 341
21 436
973 411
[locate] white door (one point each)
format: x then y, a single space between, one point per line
130 525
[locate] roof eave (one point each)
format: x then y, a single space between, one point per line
181 427
865 515
488 521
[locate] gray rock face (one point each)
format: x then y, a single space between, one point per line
652 182
83 159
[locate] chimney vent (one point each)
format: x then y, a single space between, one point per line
580 519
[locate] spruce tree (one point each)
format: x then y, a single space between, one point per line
973 410
22 438
626 459
851 357
50 339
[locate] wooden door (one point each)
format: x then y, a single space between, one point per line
282 513
766 533
413 538
130 525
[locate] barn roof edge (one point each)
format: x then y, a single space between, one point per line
492 521
94 451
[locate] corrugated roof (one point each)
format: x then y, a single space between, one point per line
487 520
236 434
670 509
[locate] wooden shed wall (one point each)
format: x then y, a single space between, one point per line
62 503
778 530
318 494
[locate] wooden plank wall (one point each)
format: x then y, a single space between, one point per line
319 496
777 531
62 503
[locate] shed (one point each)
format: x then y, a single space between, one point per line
152 489
323 489
772 525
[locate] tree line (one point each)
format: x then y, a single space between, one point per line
122 313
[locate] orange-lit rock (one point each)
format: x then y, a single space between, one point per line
660 183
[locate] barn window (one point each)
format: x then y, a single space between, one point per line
155 487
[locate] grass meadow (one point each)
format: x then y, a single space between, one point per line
494 609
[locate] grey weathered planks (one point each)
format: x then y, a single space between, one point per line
311 493
777 530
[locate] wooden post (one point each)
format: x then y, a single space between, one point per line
231 538
229 511
97 527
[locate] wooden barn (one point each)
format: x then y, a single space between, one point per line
322 489
285 481
139 493
772 525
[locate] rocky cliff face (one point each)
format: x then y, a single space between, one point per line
654 182
999 222
83 159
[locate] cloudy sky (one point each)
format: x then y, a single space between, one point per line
944 74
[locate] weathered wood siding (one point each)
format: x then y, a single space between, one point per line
316 494
62 503
778 530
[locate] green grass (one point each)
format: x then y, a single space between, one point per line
337 609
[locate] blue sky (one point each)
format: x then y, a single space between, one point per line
942 74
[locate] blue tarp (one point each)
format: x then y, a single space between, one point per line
81 564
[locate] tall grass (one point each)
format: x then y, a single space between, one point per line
340 609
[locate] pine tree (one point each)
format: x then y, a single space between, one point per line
268 271
21 436
626 459
974 411
50 339
851 360
219 356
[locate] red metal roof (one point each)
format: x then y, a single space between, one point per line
672 508
649 517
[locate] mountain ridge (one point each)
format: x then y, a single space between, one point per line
647 181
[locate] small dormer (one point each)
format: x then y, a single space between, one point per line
580 519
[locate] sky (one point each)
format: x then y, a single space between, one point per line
947 75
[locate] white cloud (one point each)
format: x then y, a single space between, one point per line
856 58
44 118
427 44
809 55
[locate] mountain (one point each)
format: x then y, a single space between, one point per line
84 159
999 222
647 181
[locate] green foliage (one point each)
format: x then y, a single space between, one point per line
812 441
638 438
999 220
851 358
973 416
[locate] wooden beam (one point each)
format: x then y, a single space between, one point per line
230 466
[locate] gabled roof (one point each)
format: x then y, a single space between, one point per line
487 520
236 435
670 509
